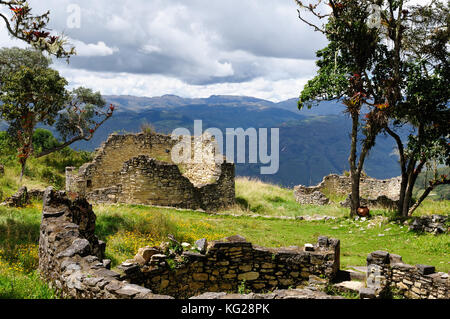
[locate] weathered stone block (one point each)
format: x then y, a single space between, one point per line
200 276
378 258
425 269
245 268
252 275
368 293
201 245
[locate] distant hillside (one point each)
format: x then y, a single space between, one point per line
137 104
440 192
313 143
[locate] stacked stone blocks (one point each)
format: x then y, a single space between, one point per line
373 192
138 169
229 263
388 274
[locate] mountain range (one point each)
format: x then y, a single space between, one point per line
313 142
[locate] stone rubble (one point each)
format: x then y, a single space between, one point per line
373 192
436 224
23 197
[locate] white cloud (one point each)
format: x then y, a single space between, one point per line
150 48
92 49
153 47
157 85
118 23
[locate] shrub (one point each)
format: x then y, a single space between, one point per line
52 178
147 128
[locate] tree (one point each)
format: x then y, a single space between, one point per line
424 104
23 25
83 114
33 94
43 139
399 61
346 67
11 59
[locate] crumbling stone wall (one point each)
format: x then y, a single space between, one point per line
387 271
372 191
206 171
436 224
380 201
71 259
227 263
71 256
23 197
137 168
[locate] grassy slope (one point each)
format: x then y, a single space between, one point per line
19 238
357 237
39 173
128 227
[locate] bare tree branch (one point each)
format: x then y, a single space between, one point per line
426 193
81 136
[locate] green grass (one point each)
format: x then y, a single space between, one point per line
126 228
18 285
19 237
256 197
430 207
39 173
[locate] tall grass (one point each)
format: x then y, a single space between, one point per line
256 197
41 172
19 237
126 228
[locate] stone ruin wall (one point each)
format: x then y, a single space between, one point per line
387 273
369 187
137 169
71 260
207 171
225 264
372 191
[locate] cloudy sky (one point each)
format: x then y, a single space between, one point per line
191 48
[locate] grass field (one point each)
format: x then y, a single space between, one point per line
129 227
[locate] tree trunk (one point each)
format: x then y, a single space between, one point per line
413 172
355 202
403 187
419 201
355 175
407 200
22 172
403 164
